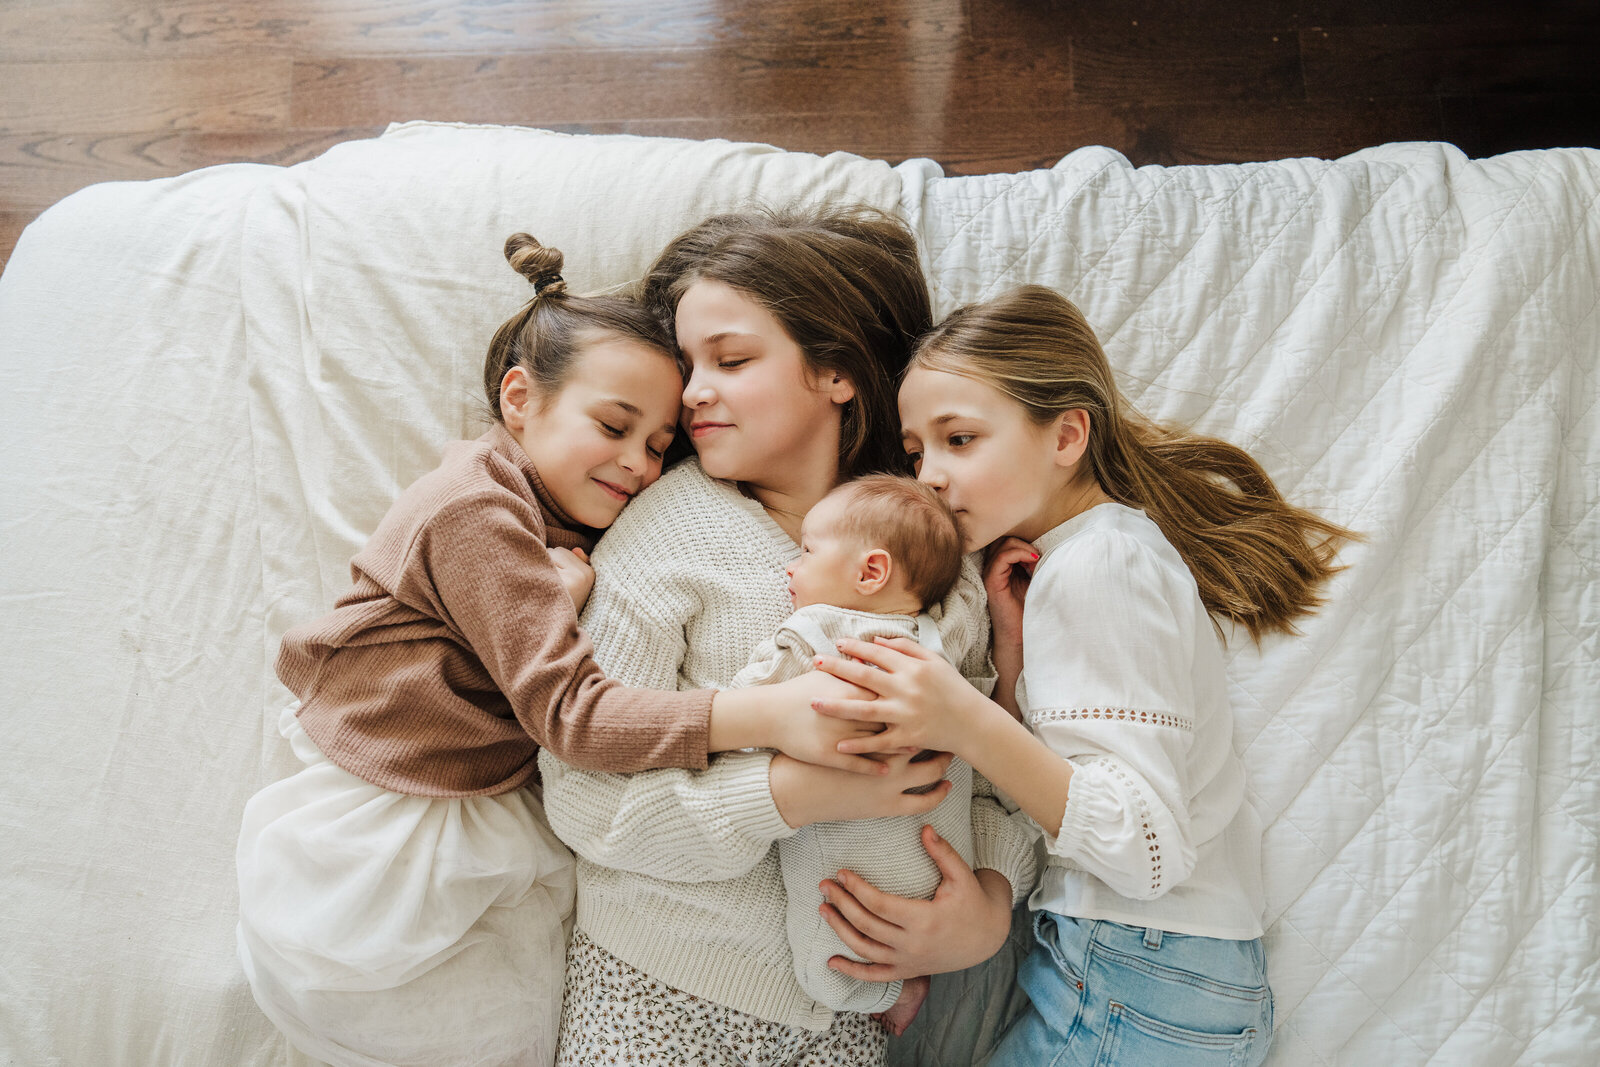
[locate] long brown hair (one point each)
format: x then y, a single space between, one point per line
544 337
846 285
1257 559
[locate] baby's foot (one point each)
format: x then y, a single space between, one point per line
913 991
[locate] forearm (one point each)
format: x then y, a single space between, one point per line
1006 752
676 825
741 718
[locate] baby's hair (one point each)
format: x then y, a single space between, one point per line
547 333
912 523
1257 559
846 285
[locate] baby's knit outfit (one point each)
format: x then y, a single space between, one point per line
887 852
677 872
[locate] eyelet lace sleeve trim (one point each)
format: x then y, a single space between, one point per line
1152 844
1146 718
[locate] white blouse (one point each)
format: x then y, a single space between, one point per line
1123 675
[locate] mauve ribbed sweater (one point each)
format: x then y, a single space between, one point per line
457 651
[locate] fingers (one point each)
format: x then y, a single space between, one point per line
884 907
853 763
874 932
951 866
884 743
882 656
856 710
922 803
858 674
865 972
581 554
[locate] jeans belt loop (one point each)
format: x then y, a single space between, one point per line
1152 938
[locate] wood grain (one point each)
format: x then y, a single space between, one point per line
40 169
766 80
97 90
98 29
112 97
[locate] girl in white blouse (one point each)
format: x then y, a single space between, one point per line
1115 543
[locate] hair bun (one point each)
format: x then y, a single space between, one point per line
540 265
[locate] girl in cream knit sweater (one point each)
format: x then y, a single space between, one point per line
680 953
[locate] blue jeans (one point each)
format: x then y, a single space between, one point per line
1103 993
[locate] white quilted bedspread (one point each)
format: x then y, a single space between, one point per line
212 386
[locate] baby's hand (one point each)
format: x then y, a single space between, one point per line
576 574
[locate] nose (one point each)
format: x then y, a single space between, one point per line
697 392
932 475
633 458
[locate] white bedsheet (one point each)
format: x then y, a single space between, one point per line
212 386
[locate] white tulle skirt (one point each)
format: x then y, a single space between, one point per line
377 928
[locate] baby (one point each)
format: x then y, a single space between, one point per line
875 555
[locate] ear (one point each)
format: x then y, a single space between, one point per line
874 571
1071 431
516 400
841 390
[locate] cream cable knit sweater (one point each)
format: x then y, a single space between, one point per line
677 873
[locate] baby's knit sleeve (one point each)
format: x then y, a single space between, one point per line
782 656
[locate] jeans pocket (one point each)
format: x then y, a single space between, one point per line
1047 931
1132 1038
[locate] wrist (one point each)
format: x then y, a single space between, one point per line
788 794
996 886
739 719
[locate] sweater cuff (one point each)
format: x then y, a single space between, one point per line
746 796
1001 843
691 744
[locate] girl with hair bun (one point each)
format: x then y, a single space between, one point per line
1115 544
402 899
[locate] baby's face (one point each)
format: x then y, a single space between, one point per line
826 570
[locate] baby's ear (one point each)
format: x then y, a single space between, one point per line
874 571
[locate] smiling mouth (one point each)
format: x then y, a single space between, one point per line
616 491
701 429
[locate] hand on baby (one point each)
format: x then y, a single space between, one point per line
813 738
572 564
922 700
805 793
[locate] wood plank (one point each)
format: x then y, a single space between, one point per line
689 83
1031 18
1002 141
1400 60
131 29
40 169
11 227
110 97
1490 124
1145 66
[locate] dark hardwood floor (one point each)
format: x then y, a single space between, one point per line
101 90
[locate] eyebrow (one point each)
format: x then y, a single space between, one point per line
940 421
723 335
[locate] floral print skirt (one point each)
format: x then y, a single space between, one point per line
616 1014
